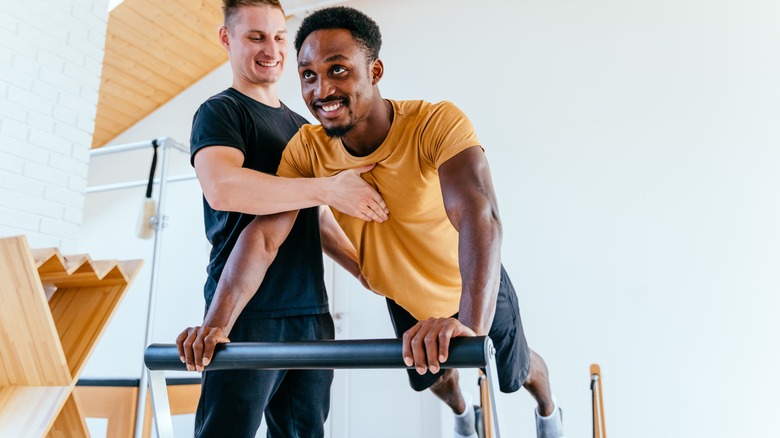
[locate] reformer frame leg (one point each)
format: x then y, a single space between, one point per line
491 373
163 423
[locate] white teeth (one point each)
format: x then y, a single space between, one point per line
268 64
332 107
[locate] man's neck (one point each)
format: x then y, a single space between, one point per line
265 94
370 132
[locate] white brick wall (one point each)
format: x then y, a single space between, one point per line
51 55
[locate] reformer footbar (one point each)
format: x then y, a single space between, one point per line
466 352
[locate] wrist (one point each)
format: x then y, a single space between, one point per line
322 189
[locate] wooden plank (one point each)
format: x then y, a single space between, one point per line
173 33
115 403
42 255
142 72
31 352
116 89
194 21
81 314
154 46
30 411
208 10
70 422
185 72
115 121
151 90
111 102
102 137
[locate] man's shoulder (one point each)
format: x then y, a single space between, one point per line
417 108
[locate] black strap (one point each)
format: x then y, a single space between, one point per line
151 172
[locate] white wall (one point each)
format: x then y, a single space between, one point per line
633 147
51 56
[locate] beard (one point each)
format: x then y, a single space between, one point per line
339 131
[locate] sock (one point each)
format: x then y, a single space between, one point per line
464 423
550 426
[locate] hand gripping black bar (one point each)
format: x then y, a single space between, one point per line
464 352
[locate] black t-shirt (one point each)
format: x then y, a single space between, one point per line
294 282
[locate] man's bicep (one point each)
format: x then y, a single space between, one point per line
466 184
212 160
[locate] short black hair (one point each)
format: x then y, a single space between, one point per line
363 28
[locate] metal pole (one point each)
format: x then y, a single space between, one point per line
109 150
465 352
159 225
136 183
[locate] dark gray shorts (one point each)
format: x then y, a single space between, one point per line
512 354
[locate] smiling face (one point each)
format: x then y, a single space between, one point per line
338 83
256 40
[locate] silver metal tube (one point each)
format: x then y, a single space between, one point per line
491 371
136 183
161 407
109 150
158 235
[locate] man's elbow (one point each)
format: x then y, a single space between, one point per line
486 215
219 195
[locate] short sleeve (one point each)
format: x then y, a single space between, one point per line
296 162
448 131
216 123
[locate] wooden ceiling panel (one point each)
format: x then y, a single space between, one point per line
155 49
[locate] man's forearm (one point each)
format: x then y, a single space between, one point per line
246 267
479 249
238 191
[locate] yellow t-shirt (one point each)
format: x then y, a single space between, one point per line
412 258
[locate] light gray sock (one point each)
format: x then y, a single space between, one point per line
464 423
550 426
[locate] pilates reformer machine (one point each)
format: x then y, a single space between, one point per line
465 352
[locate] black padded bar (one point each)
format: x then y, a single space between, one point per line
465 352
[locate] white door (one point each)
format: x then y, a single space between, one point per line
372 403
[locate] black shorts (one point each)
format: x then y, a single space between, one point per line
513 358
295 402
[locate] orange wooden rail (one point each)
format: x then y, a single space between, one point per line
599 428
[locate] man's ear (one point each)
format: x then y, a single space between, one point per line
223 36
377 70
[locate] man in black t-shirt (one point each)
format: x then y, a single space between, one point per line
237 141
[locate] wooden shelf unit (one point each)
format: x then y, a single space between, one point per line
53 309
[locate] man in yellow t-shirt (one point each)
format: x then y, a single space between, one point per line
437 257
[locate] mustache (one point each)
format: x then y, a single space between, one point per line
321 102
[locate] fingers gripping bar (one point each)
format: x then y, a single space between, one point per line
465 352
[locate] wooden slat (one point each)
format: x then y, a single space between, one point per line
142 72
70 422
120 44
193 42
211 11
115 403
30 411
31 352
153 43
194 21
81 315
150 89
